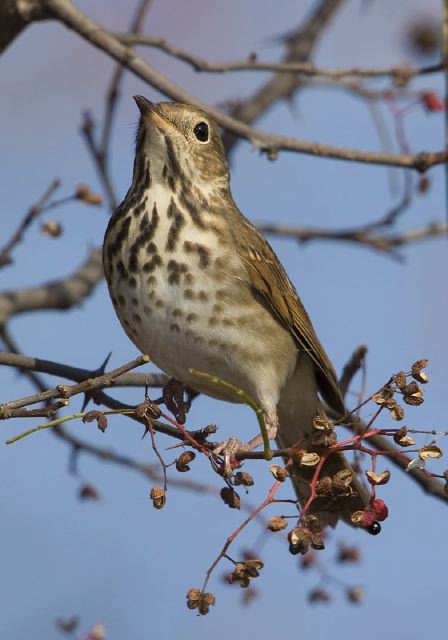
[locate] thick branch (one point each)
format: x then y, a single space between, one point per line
91 31
58 294
15 15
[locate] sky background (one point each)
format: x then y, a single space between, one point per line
118 561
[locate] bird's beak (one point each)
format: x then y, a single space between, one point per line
149 109
144 105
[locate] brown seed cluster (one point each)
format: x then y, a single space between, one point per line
199 600
244 572
306 536
411 392
337 485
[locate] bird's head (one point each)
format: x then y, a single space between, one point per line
182 144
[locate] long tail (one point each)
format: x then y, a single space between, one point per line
299 404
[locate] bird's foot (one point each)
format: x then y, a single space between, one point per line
228 450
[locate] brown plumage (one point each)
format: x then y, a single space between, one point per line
196 286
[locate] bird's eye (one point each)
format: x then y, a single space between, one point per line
201 131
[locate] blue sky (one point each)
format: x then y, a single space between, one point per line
118 561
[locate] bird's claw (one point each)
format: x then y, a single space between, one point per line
228 450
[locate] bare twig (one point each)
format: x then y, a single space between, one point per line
385 243
87 130
251 63
299 46
112 93
92 32
67 391
78 375
33 212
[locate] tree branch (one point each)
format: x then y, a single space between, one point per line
58 294
398 72
15 16
79 375
93 33
385 243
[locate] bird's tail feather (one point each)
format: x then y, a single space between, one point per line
299 405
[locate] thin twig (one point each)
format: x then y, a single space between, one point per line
67 391
33 212
384 243
251 63
113 91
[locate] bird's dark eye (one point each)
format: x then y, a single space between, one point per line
201 131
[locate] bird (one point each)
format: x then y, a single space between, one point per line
197 287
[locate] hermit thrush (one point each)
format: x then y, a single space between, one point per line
195 285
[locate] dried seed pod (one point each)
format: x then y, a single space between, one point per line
400 379
401 438
421 376
253 567
396 412
100 418
320 423
385 394
242 580
317 542
88 492
309 458
319 595
230 498
158 497
51 228
84 194
196 599
324 486
299 540
341 482
348 554
182 462
355 595
380 478
431 451
313 523
410 388
418 366
243 478
279 473
415 400
357 517
277 523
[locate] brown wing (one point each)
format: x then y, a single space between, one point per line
270 281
